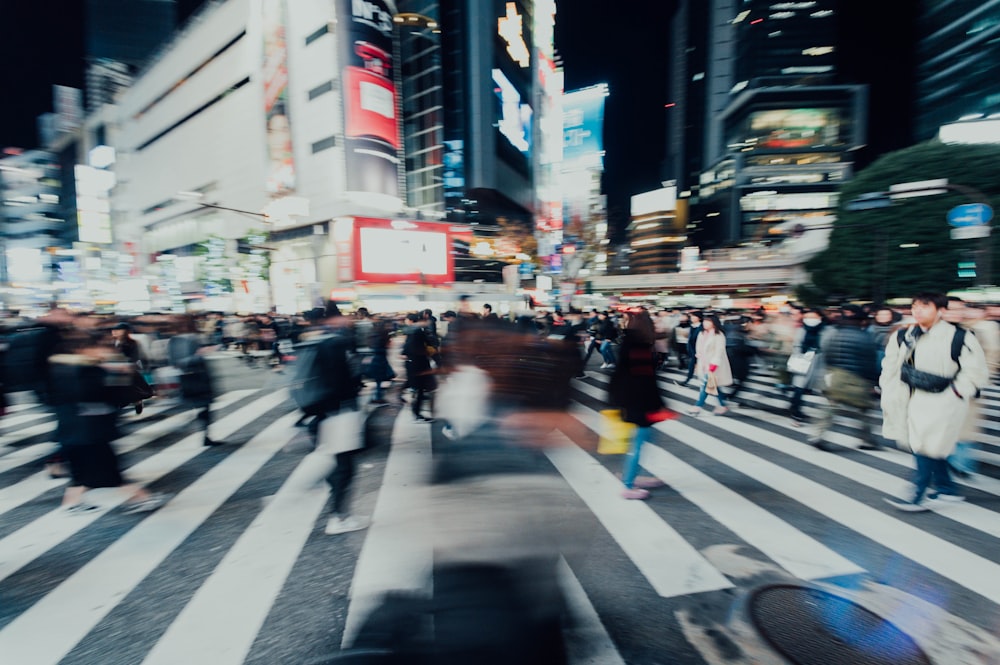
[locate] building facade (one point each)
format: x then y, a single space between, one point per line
958 64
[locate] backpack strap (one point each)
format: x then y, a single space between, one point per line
957 342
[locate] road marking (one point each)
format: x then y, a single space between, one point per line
246 582
34 539
587 640
80 602
967 569
397 554
670 564
796 552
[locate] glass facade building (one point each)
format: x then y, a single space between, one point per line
958 62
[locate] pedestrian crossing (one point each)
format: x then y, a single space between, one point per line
745 481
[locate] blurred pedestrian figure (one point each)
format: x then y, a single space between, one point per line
682 333
739 352
128 347
692 346
849 376
84 396
184 351
882 326
712 365
419 374
807 348
376 364
927 384
664 333
633 389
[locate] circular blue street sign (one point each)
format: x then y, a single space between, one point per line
970 214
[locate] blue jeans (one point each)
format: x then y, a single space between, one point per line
607 352
631 469
703 395
934 472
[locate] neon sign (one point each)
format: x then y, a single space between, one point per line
511 28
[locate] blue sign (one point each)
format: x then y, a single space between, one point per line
970 214
583 127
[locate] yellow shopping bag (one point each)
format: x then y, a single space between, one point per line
616 434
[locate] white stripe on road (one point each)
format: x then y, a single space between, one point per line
670 564
587 640
8 422
27 432
397 554
244 585
20 456
967 569
796 552
85 598
34 539
37 484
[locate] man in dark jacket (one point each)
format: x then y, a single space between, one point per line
850 357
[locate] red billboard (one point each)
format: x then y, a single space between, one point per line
391 251
371 129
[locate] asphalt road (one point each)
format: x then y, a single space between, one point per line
236 568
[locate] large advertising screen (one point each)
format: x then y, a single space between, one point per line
583 127
280 159
795 129
371 129
390 251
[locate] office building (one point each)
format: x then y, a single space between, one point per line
958 68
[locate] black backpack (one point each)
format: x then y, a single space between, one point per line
326 371
957 341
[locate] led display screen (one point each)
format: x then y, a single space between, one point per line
795 129
391 251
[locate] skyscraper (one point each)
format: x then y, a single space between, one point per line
958 62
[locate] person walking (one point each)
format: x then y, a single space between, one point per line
850 361
692 346
807 341
927 385
633 389
712 365
419 374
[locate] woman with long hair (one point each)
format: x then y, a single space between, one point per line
633 389
712 364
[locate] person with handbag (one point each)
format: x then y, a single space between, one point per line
712 365
633 389
803 364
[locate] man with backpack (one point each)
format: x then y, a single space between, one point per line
326 385
931 372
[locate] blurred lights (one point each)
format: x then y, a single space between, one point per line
756 21
741 16
818 50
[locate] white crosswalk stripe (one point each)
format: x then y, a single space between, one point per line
696 458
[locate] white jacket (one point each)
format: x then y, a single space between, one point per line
930 423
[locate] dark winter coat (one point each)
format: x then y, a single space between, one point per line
633 386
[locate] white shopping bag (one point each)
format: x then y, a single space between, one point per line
341 432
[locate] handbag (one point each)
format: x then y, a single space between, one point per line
711 384
662 414
615 435
800 363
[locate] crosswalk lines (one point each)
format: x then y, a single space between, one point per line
396 555
82 600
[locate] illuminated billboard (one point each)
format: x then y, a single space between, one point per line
93 203
390 251
371 129
280 159
583 127
513 113
795 129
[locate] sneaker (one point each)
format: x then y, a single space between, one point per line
347 524
694 412
946 498
644 483
635 493
611 365
138 408
908 506
720 410
80 508
147 505
604 365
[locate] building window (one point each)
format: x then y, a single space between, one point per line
320 90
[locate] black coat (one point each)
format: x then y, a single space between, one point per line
633 386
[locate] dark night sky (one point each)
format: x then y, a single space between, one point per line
43 45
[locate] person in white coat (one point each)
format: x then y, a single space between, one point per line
925 404
712 362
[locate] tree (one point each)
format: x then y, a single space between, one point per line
865 260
